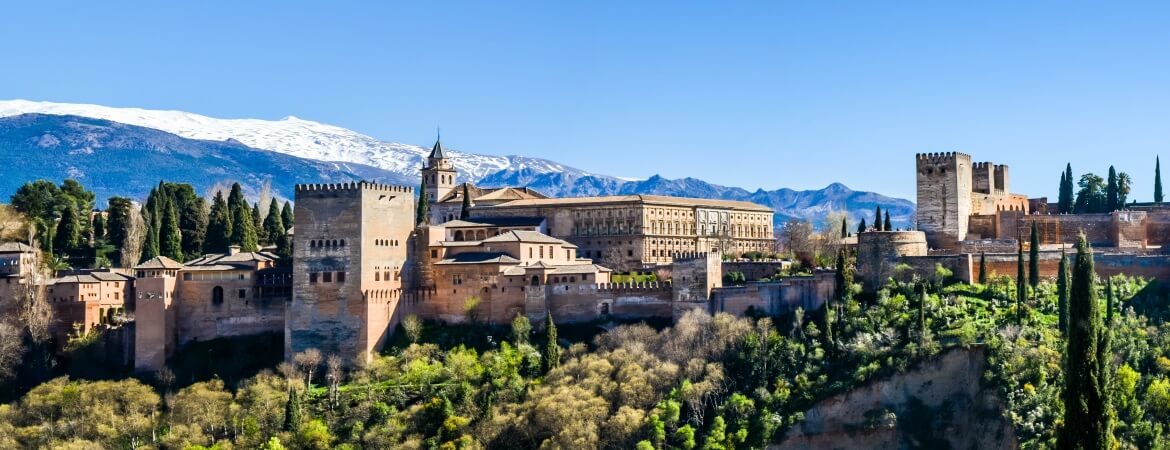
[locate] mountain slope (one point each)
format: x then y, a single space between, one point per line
117 159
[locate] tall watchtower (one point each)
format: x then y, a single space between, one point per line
944 197
350 255
439 174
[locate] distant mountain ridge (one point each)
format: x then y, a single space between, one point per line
326 153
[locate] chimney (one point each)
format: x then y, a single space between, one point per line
233 249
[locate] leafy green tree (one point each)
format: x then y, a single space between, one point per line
1111 193
423 207
1034 257
219 226
99 227
1124 186
521 328
465 211
1157 180
67 239
684 437
1086 405
1091 197
552 349
118 220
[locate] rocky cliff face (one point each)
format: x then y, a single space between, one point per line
939 404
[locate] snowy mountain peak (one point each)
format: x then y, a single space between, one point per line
290 135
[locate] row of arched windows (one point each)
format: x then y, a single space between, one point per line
326 243
386 242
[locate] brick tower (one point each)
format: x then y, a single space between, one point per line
944 197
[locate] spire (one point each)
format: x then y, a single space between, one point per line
437 150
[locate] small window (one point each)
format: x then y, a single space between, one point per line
340 277
434 253
243 293
377 276
312 277
217 295
327 277
187 277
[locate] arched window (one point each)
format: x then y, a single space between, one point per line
535 280
458 235
217 295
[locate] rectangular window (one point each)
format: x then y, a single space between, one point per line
187 277
243 293
327 277
312 277
386 275
434 253
340 277
377 276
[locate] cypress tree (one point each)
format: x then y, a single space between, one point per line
286 216
274 226
1021 288
861 226
219 226
150 247
1060 193
1034 257
877 218
1062 293
1065 200
1086 405
982 268
922 296
1112 194
118 221
844 227
258 225
292 412
465 212
99 227
552 350
170 239
243 229
68 235
424 205
886 225
1157 180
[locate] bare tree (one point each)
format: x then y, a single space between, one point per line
798 238
264 197
308 361
220 187
12 224
135 235
12 349
333 374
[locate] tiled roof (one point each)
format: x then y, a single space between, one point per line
479 258
159 262
16 247
239 259
580 268
86 279
527 236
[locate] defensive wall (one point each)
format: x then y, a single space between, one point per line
776 298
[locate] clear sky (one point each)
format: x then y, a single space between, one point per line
758 95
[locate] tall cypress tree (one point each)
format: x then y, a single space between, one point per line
150 247
1062 293
982 268
1112 194
844 227
886 225
1065 201
68 236
552 350
219 226
274 225
1021 287
1060 193
861 226
243 225
258 224
170 238
1034 257
1087 412
423 208
286 215
1157 180
922 296
465 211
877 218
292 412
99 227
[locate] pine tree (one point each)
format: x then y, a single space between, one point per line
886 225
1086 404
552 350
1021 287
170 239
219 226
1157 180
465 212
424 205
274 226
1034 257
1112 194
118 221
982 268
150 247
99 227
877 218
258 225
292 412
243 229
1062 293
861 226
286 216
68 236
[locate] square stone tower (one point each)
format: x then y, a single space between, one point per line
350 254
944 197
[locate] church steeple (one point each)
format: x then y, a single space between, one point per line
438 175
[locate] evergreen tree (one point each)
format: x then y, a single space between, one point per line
292 412
877 218
1066 200
150 248
424 206
1021 287
1157 180
117 223
844 227
1086 405
192 216
552 350
170 239
150 212
922 296
258 225
861 226
1034 257
219 226
274 226
68 236
465 212
1060 193
243 225
1112 194
286 216
886 225
99 227
982 268
1062 293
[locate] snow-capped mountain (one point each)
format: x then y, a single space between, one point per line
292 136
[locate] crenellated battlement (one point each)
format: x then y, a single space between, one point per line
983 165
690 256
353 187
940 158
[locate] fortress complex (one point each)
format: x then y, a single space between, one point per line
966 211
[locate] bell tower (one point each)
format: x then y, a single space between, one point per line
439 173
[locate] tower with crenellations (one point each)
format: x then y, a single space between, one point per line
945 184
350 258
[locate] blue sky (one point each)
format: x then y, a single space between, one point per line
757 95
